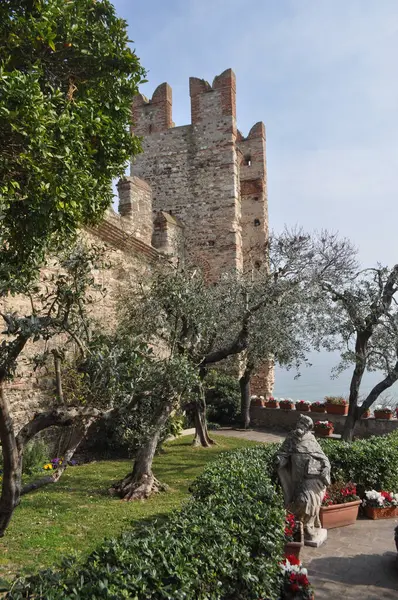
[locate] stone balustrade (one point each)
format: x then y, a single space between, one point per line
279 418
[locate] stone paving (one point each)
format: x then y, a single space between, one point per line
358 562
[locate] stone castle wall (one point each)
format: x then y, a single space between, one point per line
199 189
210 177
130 259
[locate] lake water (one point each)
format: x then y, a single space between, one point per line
315 382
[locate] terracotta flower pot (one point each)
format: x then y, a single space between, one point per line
336 409
318 409
271 404
389 512
295 547
286 405
380 414
303 407
339 515
323 432
366 415
257 402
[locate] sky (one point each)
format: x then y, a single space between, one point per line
322 76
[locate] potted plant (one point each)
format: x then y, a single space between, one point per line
295 583
271 402
336 405
318 407
286 404
294 537
324 428
366 414
257 400
340 505
383 412
380 505
303 405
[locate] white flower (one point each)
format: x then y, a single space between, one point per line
378 407
261 397
253 397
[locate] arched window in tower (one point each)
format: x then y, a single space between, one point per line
256 222
247 161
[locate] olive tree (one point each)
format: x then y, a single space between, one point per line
67 77
363 325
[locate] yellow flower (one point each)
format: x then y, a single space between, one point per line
48 467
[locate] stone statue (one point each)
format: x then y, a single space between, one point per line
304 472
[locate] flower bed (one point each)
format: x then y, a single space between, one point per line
336 405
383 412
340 506
286 404
324 428
257 400
303 405
271 402
318 407
380 505
296 585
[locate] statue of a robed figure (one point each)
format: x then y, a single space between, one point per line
304 472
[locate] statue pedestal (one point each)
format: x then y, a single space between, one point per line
316 540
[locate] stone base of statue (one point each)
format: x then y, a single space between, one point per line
317 539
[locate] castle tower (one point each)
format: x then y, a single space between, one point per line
206 174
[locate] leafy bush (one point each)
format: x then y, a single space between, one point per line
226 543
371 463
222 398
36 454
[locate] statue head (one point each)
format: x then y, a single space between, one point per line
304 425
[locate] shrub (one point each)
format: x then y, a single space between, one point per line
222 398
372 463
226 543
35 455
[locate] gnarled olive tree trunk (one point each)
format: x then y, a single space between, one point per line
141 482
202 437
244 385
12 465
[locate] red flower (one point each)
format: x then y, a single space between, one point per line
294 587
387 496
293 559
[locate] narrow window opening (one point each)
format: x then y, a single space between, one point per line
256 222
248 160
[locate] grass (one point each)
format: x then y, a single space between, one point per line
74 515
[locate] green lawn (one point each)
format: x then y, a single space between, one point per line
74 515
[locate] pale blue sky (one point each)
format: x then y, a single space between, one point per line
321 74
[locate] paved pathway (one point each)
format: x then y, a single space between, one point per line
358 562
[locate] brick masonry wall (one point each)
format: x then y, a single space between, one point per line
130 258
209 176
194 174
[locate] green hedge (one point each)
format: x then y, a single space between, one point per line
372 463
225 544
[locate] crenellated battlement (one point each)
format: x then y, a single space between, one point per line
154 115
212 101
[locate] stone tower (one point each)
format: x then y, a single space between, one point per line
206 174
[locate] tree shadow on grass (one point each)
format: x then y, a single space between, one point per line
377 570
